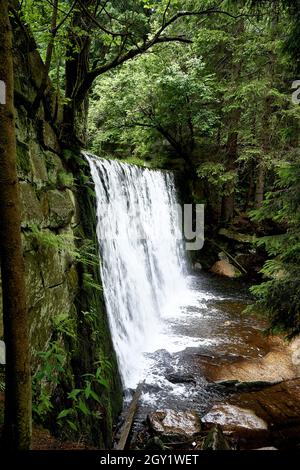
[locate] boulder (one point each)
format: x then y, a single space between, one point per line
232 417
181 378
173 425
224 268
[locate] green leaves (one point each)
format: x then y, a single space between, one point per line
279 295
47 378
216 175
64 413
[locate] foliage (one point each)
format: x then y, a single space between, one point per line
86 253
216 175
158 103
280 293
46 378
83 400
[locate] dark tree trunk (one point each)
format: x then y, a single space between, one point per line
76 71
17 426
260 185
48 60
227 209
250 192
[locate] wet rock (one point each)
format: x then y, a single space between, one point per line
224 268
237 386
266 448
231 417
198 267
276 363
181 378
175 425
215 440
278 405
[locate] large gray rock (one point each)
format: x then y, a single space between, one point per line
175 425
231 417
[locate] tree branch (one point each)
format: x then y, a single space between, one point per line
157 38
54 30
96 22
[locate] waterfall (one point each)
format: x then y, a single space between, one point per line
142 258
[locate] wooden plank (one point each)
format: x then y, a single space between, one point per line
126 428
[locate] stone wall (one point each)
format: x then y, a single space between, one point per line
58 219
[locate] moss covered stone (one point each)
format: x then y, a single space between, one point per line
30 205
59 207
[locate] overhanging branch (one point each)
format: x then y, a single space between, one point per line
157 38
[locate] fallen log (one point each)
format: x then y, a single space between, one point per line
128 422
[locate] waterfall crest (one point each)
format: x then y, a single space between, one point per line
142 258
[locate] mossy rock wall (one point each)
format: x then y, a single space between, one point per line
58 220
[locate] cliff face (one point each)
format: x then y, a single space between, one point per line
65 299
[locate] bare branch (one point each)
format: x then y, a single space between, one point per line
96 22
54 30
165 12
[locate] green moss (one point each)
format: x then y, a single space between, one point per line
65 180
23 159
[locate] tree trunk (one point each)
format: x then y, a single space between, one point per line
17 426
227 209
260 185
76 71
48 60
250 192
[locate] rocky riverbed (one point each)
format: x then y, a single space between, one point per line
232 387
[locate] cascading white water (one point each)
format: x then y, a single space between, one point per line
142 258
